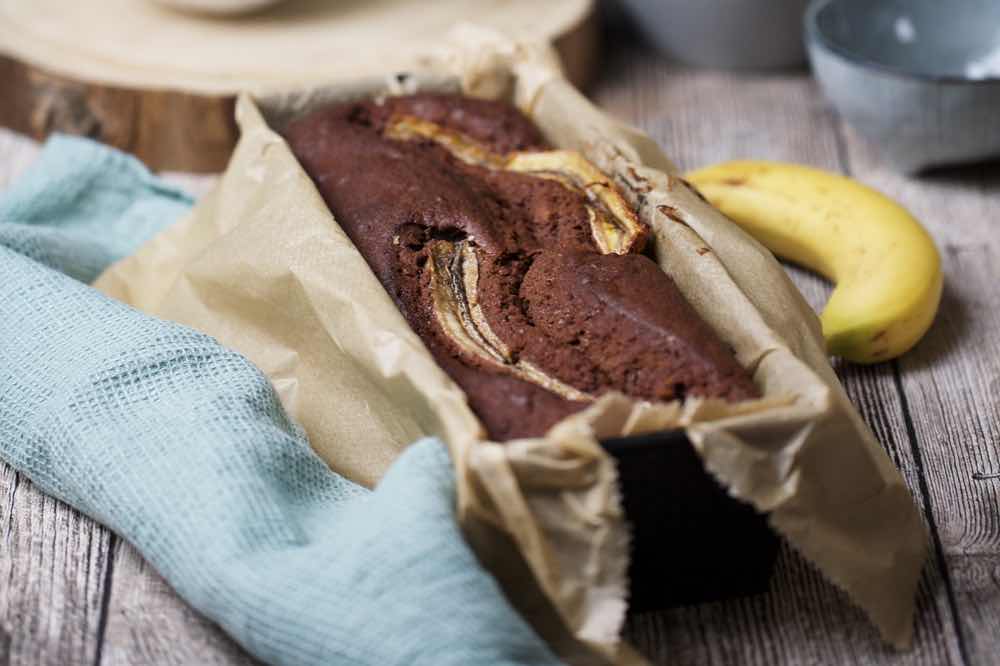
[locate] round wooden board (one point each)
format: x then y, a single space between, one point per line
162 84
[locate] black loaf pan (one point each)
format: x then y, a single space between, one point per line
691 541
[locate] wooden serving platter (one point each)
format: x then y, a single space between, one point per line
161 84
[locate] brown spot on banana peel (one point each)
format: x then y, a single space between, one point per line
671 213
614 225
688 184
454 276
640 184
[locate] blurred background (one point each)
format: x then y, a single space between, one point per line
901 95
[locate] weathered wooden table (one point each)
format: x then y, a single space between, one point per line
73 593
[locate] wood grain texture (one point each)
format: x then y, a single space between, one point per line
166 129
148 623
53 560
702 117
171 127
70 591
937 411
53 566
951 382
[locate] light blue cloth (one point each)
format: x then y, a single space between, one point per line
181 447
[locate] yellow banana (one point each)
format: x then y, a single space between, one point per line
885 266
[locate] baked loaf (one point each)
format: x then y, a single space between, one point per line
519 266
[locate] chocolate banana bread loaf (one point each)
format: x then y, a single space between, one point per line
520 267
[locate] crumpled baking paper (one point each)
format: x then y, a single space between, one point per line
262 265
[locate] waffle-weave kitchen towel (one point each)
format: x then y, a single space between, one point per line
181 447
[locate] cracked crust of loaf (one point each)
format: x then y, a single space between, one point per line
595 322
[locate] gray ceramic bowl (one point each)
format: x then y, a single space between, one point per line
919 78
732 34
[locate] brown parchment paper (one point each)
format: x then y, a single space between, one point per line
262 265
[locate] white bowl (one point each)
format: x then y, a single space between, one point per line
918 78
732 34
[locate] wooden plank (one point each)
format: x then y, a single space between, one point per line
802 619
53 560
951 383
703 117
197 185
53 563
63 70
149 624
17 152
